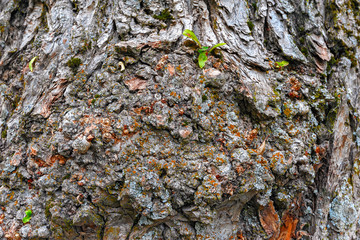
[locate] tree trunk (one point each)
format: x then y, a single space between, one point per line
111 130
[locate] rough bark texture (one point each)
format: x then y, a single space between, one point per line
118 134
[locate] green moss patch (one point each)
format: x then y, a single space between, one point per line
74 64
165 15
250 25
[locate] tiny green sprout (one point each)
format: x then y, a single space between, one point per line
188 33
203 51
28 214
281 64
31 63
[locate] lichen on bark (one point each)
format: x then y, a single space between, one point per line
118 134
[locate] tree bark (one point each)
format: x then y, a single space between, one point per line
115 132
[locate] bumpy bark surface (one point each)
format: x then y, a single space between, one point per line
118 134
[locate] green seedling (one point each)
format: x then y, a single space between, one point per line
203 51
281 64
28 214
190 34
32 61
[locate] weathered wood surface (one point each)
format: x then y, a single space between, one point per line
241 149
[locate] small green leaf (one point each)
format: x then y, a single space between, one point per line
217 45
28 214
202 59
282 64
188 33
31 63
203 49
26 219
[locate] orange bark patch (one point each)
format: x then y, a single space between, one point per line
239 169
295 88
287 112
2 216
161 62
240 235
251 136
317 166
269 220
33 152
143 109
62 160
229 189
47 99
295 84
155 44
88 129
40 162
16 159
288 227
135 84
217 64
184 133
171 69
290 220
